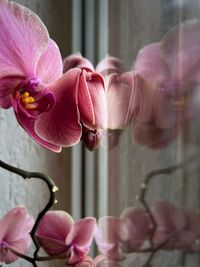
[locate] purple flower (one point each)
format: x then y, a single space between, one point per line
15 227
58 233
49 105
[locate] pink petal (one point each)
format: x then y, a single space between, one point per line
169 219
52 246
112 229
60 126
29 127
151 66
109 65
138 224
180 47
20 246
49 67
23 40
149 135
121 102
82 233
87 262
77 61
55 225
92 100
16 224
7 87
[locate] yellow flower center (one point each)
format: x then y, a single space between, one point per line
26 99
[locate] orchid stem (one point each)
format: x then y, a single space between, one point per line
52 190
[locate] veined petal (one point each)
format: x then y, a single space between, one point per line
82 233
60 126
121 99
77 61
169 220
16 224
55 225
7 87
180 48
52 246
23 40
50 67
20 246
92 100
29 126
151 66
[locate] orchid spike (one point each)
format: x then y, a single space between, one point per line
58 233
15 227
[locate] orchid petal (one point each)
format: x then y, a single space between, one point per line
180 47
7 87
52 246
138 224
121 102
23 40
169 220
49 67
151 66
82 233
109 65
16 224
92 100
87 262
112 229
60 126
29 127
149 135
55 225
77 61
20 246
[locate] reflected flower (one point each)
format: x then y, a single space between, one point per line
58 235
109 235
15 227
169 91
139 227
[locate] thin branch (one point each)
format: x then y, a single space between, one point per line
52 190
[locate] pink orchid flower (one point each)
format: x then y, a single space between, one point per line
15 227
170 222
51 107
121 90
91 99
169 91
139 227
110 234
58 234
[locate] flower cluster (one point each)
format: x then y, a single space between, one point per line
59 103
115 237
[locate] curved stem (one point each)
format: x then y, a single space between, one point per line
52 190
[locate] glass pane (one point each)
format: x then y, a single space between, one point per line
153 162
